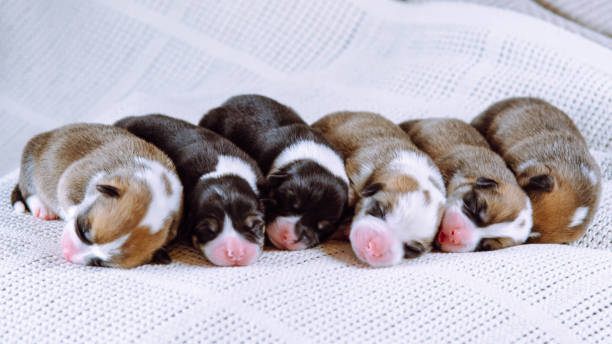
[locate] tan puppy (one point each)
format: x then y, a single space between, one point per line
486 209
120 196
551 162
397 191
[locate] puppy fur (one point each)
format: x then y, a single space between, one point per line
551 161
396 190
486 209
307 183
223 216
121 197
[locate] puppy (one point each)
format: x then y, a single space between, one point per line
223 215
551 161
397 191
121 196
307 182
486 209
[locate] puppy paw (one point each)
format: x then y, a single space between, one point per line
39 210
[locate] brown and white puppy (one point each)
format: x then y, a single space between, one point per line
121 196
396 189
486 209
223 215
551 161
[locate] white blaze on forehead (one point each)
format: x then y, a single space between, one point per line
231 165
91 195
162 204
84 253
412 218
419 167
579 216
310 150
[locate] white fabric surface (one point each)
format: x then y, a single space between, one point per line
101 60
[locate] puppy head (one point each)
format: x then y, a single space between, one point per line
306 202
226 221
484 214
396 216
125 219
564 199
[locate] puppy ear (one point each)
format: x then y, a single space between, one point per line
484 183
108 190
371 189
543 182
161 256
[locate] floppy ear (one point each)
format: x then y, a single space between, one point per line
543 182
371 189
108 190
484 183
161 256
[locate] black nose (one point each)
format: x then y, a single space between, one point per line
96 262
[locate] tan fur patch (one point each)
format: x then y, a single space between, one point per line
536 138
166 184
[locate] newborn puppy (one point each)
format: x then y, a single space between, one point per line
397 191
486 209
307 181
121 196
551 162
223 216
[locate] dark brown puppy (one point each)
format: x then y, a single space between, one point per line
486 209
551 161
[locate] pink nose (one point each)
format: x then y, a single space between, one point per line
68 248
374 247
234 251
454 230
282 235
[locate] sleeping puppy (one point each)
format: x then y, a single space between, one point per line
486 209
307 182
121 196
223 215
551 161
396 190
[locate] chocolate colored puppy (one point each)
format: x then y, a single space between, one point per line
120 195
551 161
223 215
486 209
396 189
308 184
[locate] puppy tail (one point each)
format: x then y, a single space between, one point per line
19 204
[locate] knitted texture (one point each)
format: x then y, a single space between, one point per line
101 60
525 294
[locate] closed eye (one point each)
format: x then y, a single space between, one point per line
474 208
376 210
82 230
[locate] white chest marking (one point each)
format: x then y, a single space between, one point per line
316 152
231 165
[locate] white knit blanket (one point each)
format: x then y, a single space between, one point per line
67 60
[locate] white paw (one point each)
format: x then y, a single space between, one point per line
19 207
39 210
